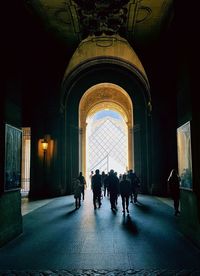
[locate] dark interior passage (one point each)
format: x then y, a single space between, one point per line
54 53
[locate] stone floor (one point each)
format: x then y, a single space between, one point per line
139 272
59 240
29 206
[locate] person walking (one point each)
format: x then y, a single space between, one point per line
91 175
135 185
106 191
83 184
104 186
96 188
113 188
77 187
125 192
174 189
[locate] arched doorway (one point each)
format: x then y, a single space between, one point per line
98 62
105 96
106 142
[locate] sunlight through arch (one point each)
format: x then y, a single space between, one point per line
106 99
106 142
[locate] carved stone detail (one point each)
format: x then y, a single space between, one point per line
105 97
102 16
137 13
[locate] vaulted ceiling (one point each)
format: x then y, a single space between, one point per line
140 21
42 35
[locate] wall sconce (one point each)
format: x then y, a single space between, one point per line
44 144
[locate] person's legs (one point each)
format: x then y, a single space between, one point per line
131 197
94 200
135 194
112 201
123 203
176 205
99 200
76 203
116 198
127 203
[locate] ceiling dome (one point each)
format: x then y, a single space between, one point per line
114 47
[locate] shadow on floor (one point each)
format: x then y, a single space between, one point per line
70 213
144 208
129 224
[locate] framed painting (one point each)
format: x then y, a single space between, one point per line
185 155
13 153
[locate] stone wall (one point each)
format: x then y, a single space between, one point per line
10 216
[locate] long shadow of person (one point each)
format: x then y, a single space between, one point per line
72 212
129 225
114 212
142 207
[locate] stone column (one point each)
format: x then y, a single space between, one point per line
130 147
82 148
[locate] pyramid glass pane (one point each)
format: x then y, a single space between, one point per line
107 143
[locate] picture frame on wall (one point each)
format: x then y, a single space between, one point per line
13 155
185 155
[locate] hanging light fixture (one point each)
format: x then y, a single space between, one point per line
44 144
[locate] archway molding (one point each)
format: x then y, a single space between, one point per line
106 66
104 51
100 97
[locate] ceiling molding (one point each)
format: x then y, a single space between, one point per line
139 21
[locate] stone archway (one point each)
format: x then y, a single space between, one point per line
99 97
110 60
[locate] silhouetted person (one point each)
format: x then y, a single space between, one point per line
135 185
125 191
115 173
77 187
106 185
174 189
83 183
103 177
96 188
113 188
91 175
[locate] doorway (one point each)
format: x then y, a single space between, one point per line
25 165
106 142
105 130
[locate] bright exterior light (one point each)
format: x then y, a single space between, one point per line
44 144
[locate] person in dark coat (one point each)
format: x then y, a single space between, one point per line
77 192
113 188
106 191
103 177
135 185
174 189
96 188
125 191
83 184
